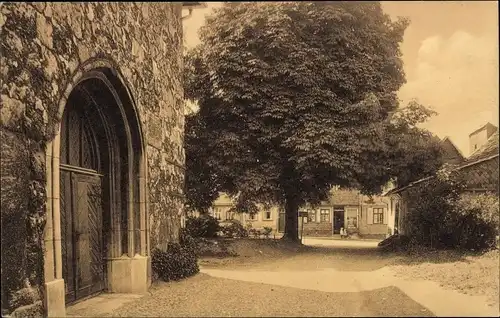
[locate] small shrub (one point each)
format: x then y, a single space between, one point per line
267 231
176 263
234 229
203 226
254 232
248 226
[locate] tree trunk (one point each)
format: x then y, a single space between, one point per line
291 221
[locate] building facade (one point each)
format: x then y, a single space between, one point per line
223 211
92 159
359 214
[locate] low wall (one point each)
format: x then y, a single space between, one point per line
318 229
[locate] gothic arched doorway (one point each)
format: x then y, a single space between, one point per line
84 180
102 215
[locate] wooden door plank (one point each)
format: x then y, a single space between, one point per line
88 214
74 138
80 214
96 240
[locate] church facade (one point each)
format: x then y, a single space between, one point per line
92 157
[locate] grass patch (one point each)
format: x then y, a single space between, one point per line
467 272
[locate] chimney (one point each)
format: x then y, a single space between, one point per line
480 136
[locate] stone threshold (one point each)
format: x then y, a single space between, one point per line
100 305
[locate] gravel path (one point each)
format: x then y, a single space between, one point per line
204 296
334 279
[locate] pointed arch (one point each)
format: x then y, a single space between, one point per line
96 182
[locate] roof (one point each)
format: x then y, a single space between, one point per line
490 148
397 190
451 150
487 152
487 125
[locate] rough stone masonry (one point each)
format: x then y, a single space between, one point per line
43 46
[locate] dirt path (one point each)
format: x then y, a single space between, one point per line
357 266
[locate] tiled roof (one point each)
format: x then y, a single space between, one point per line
487 150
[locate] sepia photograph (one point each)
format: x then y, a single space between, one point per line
249 159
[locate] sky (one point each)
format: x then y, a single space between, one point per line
450 55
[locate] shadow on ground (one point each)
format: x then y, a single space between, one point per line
341 255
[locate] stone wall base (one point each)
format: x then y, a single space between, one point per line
54 300
129 275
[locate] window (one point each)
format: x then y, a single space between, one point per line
352 221
311 216
252 216
218 212
324 215
378 216
352 217
229 215
267 215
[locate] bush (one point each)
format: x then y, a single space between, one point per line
444 217
176 263
203 226
254 232
187 241
234 229
477 222
267 231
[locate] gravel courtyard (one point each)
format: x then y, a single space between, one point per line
203 296
332 278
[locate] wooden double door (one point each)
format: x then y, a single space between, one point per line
82 205
82 244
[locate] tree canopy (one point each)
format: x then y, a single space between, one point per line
295 97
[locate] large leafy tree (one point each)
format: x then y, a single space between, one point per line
295 97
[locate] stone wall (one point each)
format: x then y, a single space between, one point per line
43 45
